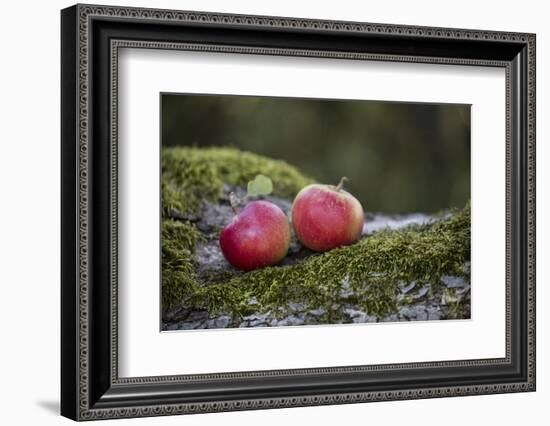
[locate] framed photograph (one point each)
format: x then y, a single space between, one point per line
263 212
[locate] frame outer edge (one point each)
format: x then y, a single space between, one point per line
531 200
83 179
83 13
69 191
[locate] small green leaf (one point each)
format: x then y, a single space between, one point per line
261 185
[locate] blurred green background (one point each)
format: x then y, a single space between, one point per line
399 157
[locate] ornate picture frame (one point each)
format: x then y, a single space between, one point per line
91 37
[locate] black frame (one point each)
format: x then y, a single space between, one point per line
91 37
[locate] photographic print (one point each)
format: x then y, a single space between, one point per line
293 211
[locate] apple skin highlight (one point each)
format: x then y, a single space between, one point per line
257 237
325 217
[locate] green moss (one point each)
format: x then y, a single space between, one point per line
458 306
373 267
178 265
191 174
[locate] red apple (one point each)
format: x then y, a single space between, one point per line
326 216
258 236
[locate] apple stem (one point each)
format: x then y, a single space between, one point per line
234 201
341 183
